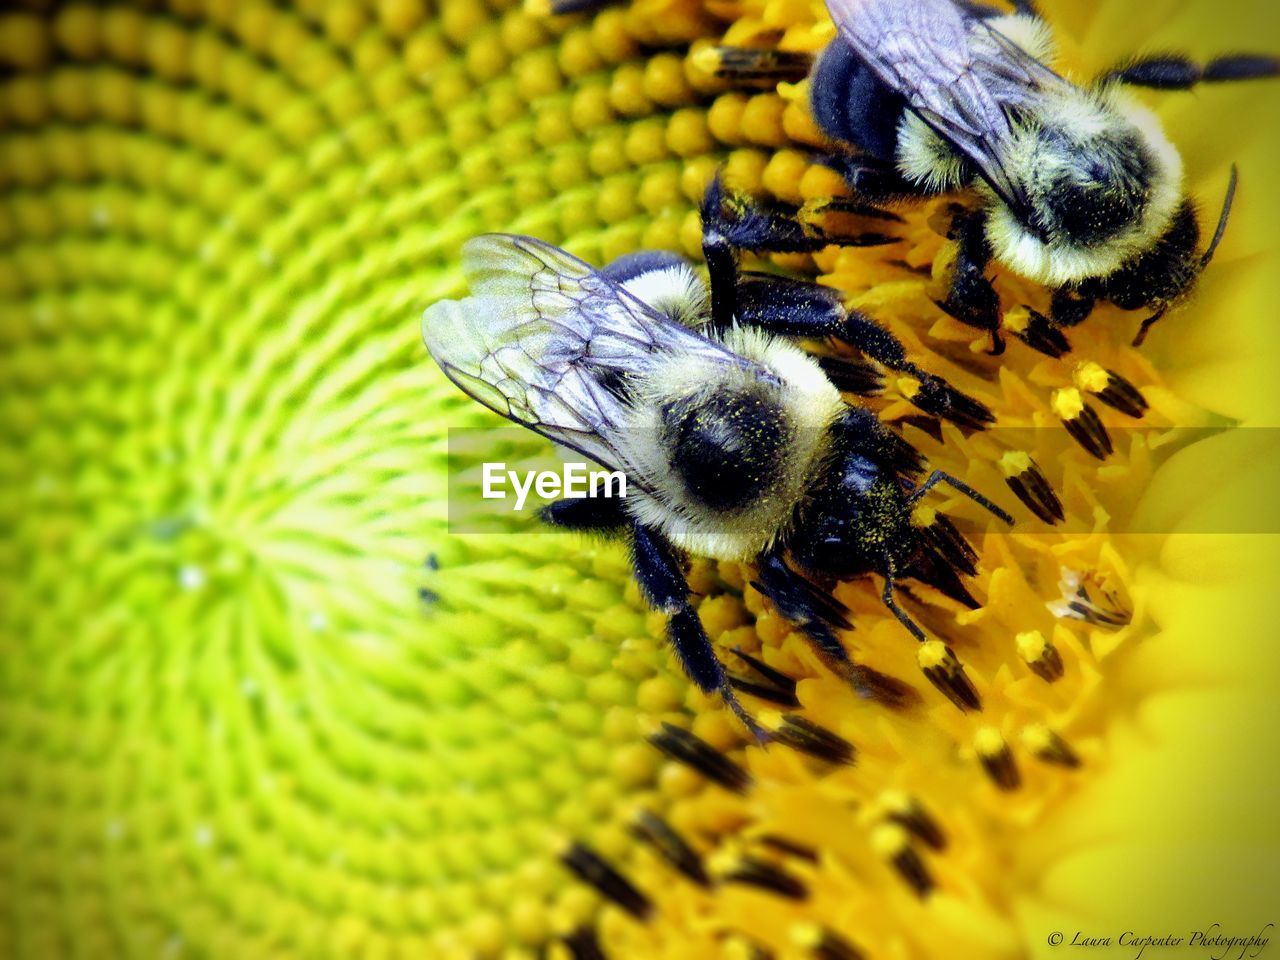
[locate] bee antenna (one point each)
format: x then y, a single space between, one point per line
890 581
1222 217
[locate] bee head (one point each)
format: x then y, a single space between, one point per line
856 521
1167 270
1100 185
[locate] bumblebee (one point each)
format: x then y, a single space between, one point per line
1078 187
735 443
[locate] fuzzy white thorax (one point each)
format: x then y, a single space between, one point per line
1091 113
811 404
679 292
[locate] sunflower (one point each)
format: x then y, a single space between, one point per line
259 699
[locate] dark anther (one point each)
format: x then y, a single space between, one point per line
1120 394
894 844
817 741
939 664
1041 656
653 830
790 847
763 691
997 759
1078 603
782 688
950 544
824 943
1028 483
767 876
767 67
1049 747
593 869
583 944
1038 332
1087 429
683 747
907 811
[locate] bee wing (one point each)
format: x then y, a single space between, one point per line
545 340
958 73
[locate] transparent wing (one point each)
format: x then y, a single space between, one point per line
958 73
549 343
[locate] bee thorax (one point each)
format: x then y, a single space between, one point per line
727 447
1088 191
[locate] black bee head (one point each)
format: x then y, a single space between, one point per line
1163 272
856 521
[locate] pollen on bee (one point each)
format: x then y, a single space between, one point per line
939 663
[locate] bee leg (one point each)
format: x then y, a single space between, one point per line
662 582
1172 71
1068 308
795 308
747 224
600 515
872 179
886 595
818 614
972 299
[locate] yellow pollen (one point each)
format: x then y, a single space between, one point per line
1015 462
1067 403
1016 320
889 840
924 516
989 742
934 654
908 386
1091 377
